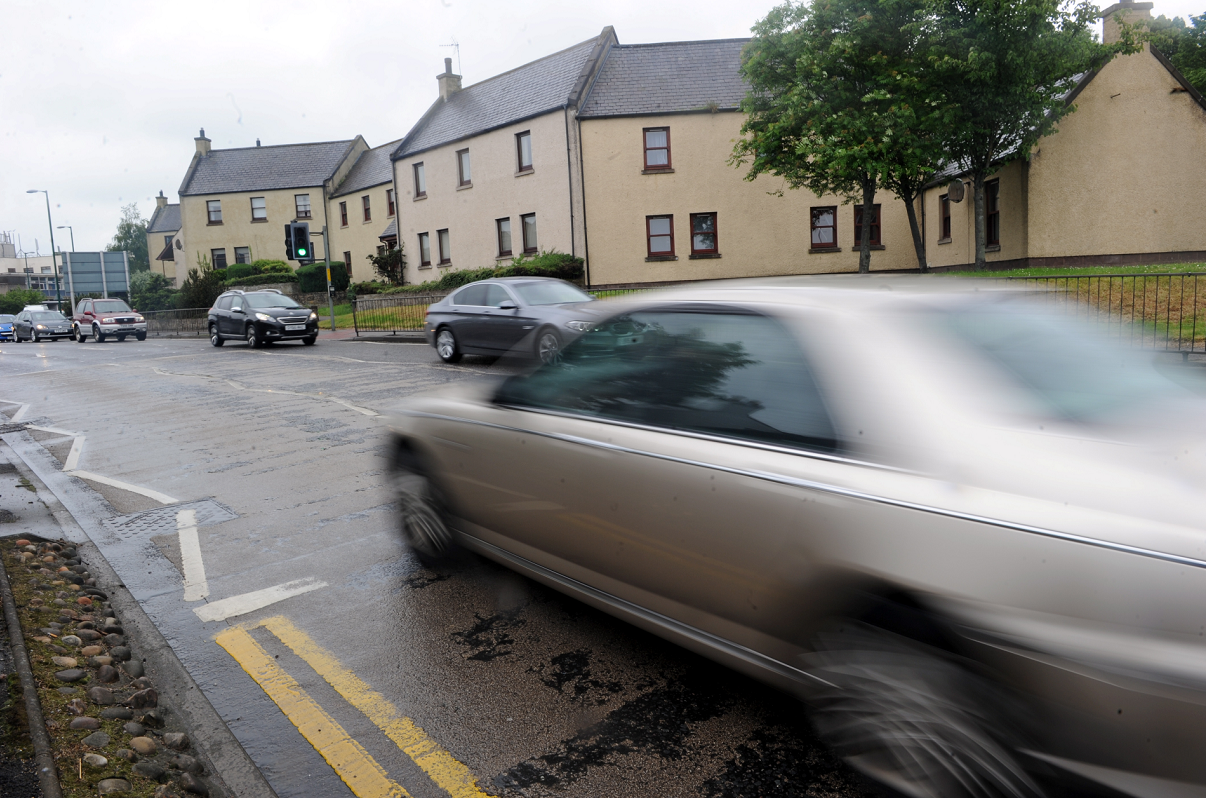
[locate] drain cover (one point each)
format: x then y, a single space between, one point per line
162 520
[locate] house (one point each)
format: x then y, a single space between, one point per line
663 203
363 212
162 230
1117 183
491 171
234 203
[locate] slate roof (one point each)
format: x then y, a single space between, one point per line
524 92
265 168
391 231
372 168
666 78
165 219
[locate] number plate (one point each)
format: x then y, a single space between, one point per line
295 326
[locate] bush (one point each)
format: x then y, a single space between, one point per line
313 278
201 288
546 264
371 287
151 291
268 278
238 271
16 300
267 266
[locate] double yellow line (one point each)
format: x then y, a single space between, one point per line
363 775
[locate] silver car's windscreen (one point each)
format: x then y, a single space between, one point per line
732 374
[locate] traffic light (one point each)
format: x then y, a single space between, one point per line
297 242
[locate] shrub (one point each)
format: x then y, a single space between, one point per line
267 266
371 287
238 271
15 301
546 264
151 291
314 277
201 288
269 278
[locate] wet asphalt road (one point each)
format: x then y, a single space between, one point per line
533 692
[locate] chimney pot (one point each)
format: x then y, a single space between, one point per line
161 201
447 66
257 142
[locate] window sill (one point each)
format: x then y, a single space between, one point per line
306 216
213 224
525 172
426 266
343 227
505 256
944 241
704 256
419 197
367 221
993 248
656 258
464 187
445 265
259 221
873 247
823 250
657 171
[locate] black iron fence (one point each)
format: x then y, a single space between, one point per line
185 322
392 313
1153 311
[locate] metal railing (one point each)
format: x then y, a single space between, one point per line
177 323
392 313
1154 311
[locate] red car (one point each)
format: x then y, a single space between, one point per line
101 318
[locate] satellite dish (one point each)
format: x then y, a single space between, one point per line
178 244
954 191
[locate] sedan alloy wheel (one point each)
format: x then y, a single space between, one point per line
548 347
421 520
447 347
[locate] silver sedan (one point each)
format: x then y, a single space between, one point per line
968 533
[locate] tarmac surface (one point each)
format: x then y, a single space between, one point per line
240 497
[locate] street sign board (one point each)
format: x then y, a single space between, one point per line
104 273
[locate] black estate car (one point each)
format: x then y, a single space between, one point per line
261 317
533 316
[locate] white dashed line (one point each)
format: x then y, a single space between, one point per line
248 602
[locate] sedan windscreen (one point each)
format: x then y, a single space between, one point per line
47 316
732 374
270 301
550 293
111 306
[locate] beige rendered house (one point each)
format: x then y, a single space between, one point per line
491 171
162 229
663 204
362 211
234 203
1119 182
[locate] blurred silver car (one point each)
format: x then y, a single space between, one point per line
969 533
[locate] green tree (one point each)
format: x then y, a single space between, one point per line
202 286
1190 55
1007 66
131 236
391 265
14 301
840 103
151 291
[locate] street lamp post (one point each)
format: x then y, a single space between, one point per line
58 290
69 230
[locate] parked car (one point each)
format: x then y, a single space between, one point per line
41 325
101 318
261 317
534 316
6 327
969 534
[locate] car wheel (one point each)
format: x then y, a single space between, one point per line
548 346
214 338
421 514
446 346
140 336
120 337
253 337
37 339
79 335
309 340
97 334
912 718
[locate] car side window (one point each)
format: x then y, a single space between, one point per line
471 295
495 295
732 374
224 302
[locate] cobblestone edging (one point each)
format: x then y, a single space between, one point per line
107 729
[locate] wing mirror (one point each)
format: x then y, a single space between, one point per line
507 304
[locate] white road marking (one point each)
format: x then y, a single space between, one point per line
195 586
22 407
248 602
73 457
55 430
162 498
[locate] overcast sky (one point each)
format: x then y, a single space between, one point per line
99 102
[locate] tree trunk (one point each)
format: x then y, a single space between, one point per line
864 242
918 240
981 220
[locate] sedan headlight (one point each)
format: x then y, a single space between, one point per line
41 326
580 326
313 316
264 317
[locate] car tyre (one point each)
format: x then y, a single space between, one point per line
447 347
912 719
97 334
79 335
310 340
140 336
37 339
215 338
548 346
253 337
421 513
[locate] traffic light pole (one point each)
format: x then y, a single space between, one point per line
326 251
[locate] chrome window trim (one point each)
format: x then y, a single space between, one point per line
836 490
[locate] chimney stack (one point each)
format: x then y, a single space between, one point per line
450 84
161 201
257 142
1126 11
202 143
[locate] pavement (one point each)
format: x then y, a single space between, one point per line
240 497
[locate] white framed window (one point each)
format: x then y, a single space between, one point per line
259 209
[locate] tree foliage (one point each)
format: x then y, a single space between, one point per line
391 265
15 300
131 236
1007 66
841 102
151 291
202 286
1184 45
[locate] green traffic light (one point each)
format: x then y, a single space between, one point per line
301 252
